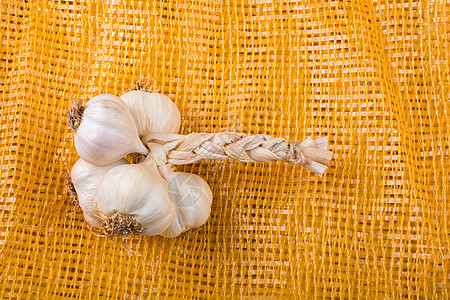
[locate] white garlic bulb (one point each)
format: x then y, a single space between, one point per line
193 198
135 198
107 131
86 179
153 112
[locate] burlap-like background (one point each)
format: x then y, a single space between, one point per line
372 76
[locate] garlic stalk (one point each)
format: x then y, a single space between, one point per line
135 199
105 130
176 149
152 112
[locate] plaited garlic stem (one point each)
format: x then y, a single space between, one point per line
178 149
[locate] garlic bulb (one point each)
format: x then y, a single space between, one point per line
135 199
153 112
193 198
86 179
107 131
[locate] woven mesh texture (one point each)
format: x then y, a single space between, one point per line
372 76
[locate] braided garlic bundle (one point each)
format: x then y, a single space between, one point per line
149 197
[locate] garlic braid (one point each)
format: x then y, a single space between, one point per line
176 149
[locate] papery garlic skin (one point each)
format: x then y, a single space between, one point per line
153 112
139 191
107 131
92 220
193 198
86 178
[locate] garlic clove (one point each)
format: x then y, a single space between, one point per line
137 196
193 198
86 178
153 112
107 131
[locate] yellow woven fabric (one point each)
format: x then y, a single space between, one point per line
372 76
